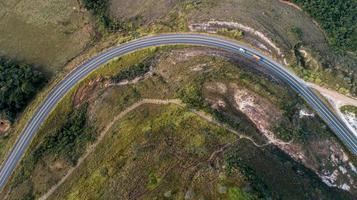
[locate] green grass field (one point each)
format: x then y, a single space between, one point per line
43 33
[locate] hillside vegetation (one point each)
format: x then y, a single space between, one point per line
338 19
144 154
157 151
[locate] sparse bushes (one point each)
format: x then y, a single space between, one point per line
233 33
18 84
297 32
242 125
300 60
99 10
96 6
300 129
133 71
69 141
191 95
235 161
349 109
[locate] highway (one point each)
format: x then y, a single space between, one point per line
49 103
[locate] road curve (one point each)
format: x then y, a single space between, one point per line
30 130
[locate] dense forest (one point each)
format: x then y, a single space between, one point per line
18 84
337 17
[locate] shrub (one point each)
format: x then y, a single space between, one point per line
297 32
235 161
69 140
96 6
18 84
133 71
99 10
192 96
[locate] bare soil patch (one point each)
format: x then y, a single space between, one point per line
259 110
84 92
4 126
254 37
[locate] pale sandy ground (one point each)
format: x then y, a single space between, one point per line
337 100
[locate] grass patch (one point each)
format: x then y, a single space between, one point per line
297 32
50 33
72 145
232 33
349 109
153 181
235 193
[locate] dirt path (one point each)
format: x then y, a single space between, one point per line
92 147
209 119
135 80
337 98
290 4
177 102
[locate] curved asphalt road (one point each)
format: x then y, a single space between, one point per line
9 165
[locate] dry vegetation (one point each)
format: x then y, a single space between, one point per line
288 28
44 33
215 165
157 143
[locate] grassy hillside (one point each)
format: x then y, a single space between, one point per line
170 151
157 154
143 153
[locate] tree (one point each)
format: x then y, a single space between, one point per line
338 18
18 85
